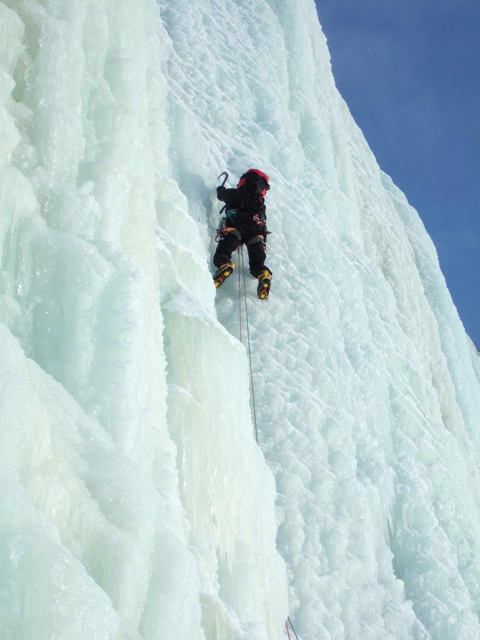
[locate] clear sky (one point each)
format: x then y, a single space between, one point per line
409 71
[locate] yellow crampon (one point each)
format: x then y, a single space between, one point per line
222 273
264 283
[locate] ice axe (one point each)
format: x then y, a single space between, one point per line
224 173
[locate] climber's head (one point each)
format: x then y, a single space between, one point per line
257 178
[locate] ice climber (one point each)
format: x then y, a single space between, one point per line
244 223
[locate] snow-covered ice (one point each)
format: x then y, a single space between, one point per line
136 503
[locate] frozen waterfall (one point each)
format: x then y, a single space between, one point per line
135 502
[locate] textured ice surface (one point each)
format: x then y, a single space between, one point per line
135 501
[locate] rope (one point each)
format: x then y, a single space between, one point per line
288 620
288 632
241 267
248 343
240 259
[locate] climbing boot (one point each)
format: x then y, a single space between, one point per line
264 282
222 273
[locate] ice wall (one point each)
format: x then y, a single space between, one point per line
136 503
366 397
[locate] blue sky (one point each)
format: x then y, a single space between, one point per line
410 74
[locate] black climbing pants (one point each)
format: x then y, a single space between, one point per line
256 252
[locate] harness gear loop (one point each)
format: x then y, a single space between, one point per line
221 229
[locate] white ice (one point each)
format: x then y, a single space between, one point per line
136 503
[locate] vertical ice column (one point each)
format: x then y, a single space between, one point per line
93 536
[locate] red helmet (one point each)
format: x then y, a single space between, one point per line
256 175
